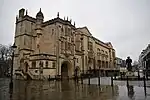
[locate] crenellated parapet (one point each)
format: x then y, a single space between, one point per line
59 20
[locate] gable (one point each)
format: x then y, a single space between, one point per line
109 44
85 31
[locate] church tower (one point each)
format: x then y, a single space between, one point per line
25 37
38 30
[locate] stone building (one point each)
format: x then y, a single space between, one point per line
121 64
57 47
144 60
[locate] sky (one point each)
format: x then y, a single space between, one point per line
124 23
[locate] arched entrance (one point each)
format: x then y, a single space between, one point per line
65 69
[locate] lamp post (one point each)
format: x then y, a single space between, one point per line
11 78
98 69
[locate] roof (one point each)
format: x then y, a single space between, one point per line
85 29
52 21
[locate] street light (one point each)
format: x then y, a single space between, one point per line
13 50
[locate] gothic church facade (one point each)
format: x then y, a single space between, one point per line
56 48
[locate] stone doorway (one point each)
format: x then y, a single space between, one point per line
65 70
26 67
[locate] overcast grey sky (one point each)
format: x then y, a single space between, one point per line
125 23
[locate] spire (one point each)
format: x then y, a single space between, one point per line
64 17
67 18
26 12
74 24
58 15
40 10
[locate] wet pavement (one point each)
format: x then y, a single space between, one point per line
107 81
68 90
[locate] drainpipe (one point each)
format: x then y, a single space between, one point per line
74 64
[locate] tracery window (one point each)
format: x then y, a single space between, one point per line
34 64
53 64
46 64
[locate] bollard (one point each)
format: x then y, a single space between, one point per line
112 81
74 79
89 80
138 75
121 76
127 81
81 80
77 80
98 81
146 75
49 77
55 77
61 78
144 85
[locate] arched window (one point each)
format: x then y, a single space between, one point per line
62 45
66 45
106 52
69 31
46 64
53 64
90 46
62 30
98 51
103 51
34 64
99 63
41 64
52 31
69 46
66 31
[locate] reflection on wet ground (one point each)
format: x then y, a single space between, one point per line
68 90
107 81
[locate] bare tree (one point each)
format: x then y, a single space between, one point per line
9 52
5 58
3 51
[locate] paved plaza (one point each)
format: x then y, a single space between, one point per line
107 81
69 90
